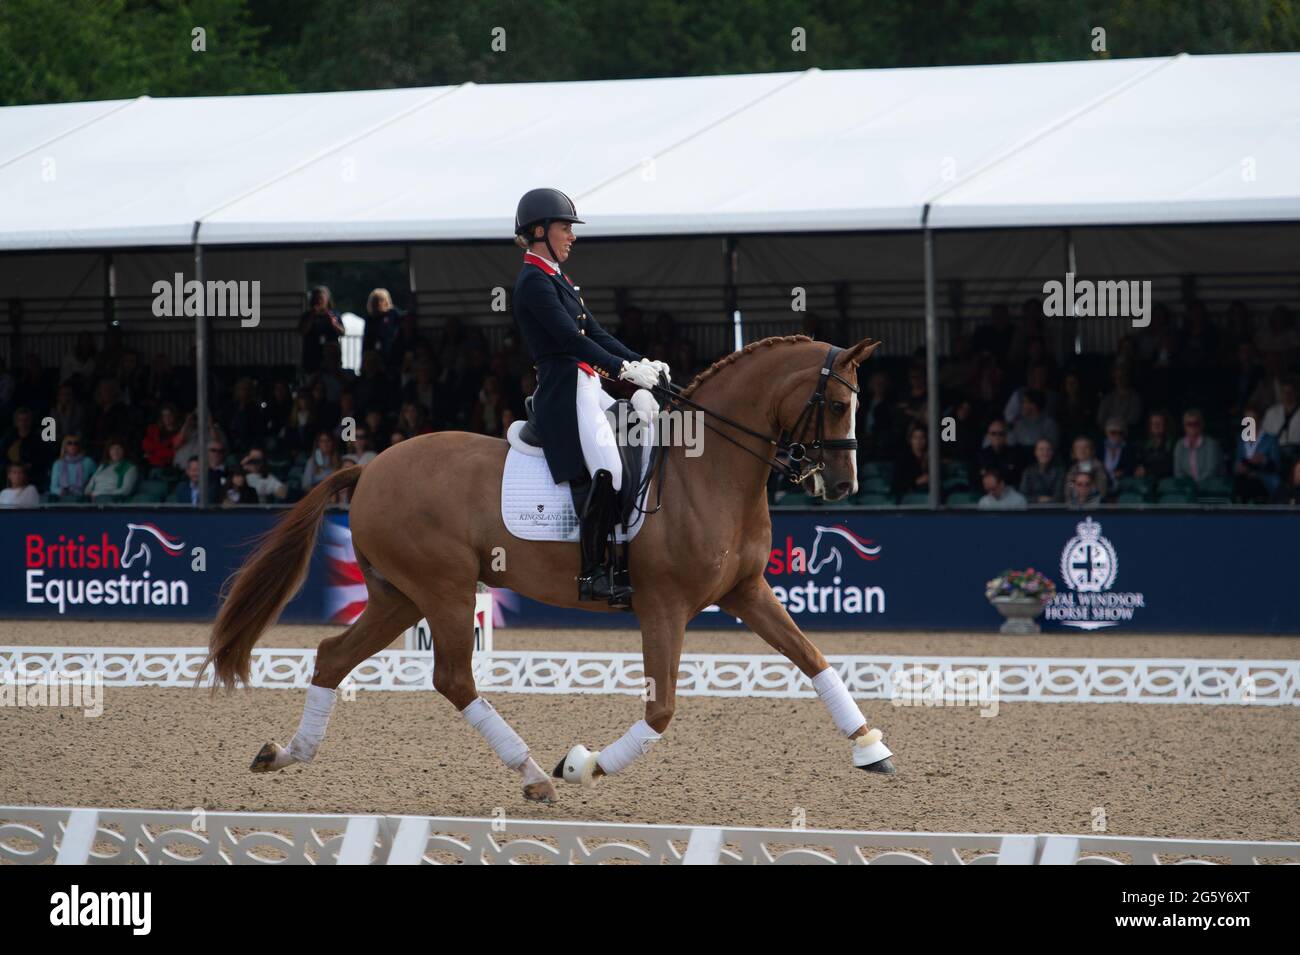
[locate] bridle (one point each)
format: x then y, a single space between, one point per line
792 457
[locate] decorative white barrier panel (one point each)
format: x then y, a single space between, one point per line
914 680
31 835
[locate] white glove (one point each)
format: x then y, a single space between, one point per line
640 373
661 367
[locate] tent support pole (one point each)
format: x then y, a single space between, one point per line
733 299
931 362
413 303
110 290
1071 266
201 374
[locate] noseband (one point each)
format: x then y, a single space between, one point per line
792 458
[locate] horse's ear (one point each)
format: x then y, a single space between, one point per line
861 351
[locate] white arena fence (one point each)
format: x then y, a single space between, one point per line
913 680
66 836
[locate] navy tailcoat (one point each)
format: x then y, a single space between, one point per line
559 331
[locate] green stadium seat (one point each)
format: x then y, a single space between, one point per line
1177 497
1131 497
797 499
962 499
874 500
1135 485
916 497
874 485
1173 485
153 491
1218 487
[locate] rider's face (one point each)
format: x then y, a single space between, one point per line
562 239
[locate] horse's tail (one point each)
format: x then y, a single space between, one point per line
257 593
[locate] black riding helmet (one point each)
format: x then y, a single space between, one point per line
542 207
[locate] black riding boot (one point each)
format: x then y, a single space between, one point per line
599 580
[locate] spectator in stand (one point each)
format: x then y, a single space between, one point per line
79 364
913 410
269 488
360 451
1122 402
323 407
217 459
423 389
409 340
912 468
1081 489
318 326
486 416
1043 482
1154 458
69 414
109 358
998 454
1283 419
1279 337
19 492
246 419
110 418
236 489
998 495
1246 376
383 321
1039 376
162 384
1288 491
322 462
1257 468
191 443
1075 415
966 444
7 385
303 425
880 417
162 437
333 375
374 392
30 390
23 444
187 492
1117 455
1083 458
631 331
1034 424
72 471
1268 390
412 421
376 428
1197 455
132 381
279 408
115 479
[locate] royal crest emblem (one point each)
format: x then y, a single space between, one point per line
1088 561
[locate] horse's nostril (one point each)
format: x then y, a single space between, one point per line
844 487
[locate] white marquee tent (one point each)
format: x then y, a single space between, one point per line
1184 139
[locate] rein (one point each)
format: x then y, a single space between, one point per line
797 465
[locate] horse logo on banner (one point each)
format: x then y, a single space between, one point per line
862 547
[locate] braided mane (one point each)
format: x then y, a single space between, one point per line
735 356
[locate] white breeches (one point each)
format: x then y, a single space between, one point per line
599 447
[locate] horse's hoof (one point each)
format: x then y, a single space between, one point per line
270 758
885 767
543 792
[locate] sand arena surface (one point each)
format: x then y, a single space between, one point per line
1155 770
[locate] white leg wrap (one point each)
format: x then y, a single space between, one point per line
315 718
533 773
844 709
503 740
619 754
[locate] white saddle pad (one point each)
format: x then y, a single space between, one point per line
535 508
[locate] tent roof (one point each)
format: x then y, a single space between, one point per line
1100 142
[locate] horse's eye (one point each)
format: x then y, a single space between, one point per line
839 407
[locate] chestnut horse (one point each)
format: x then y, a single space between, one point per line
426 522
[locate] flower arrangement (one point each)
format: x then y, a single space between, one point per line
1027 584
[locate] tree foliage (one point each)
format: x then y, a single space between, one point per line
107 49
